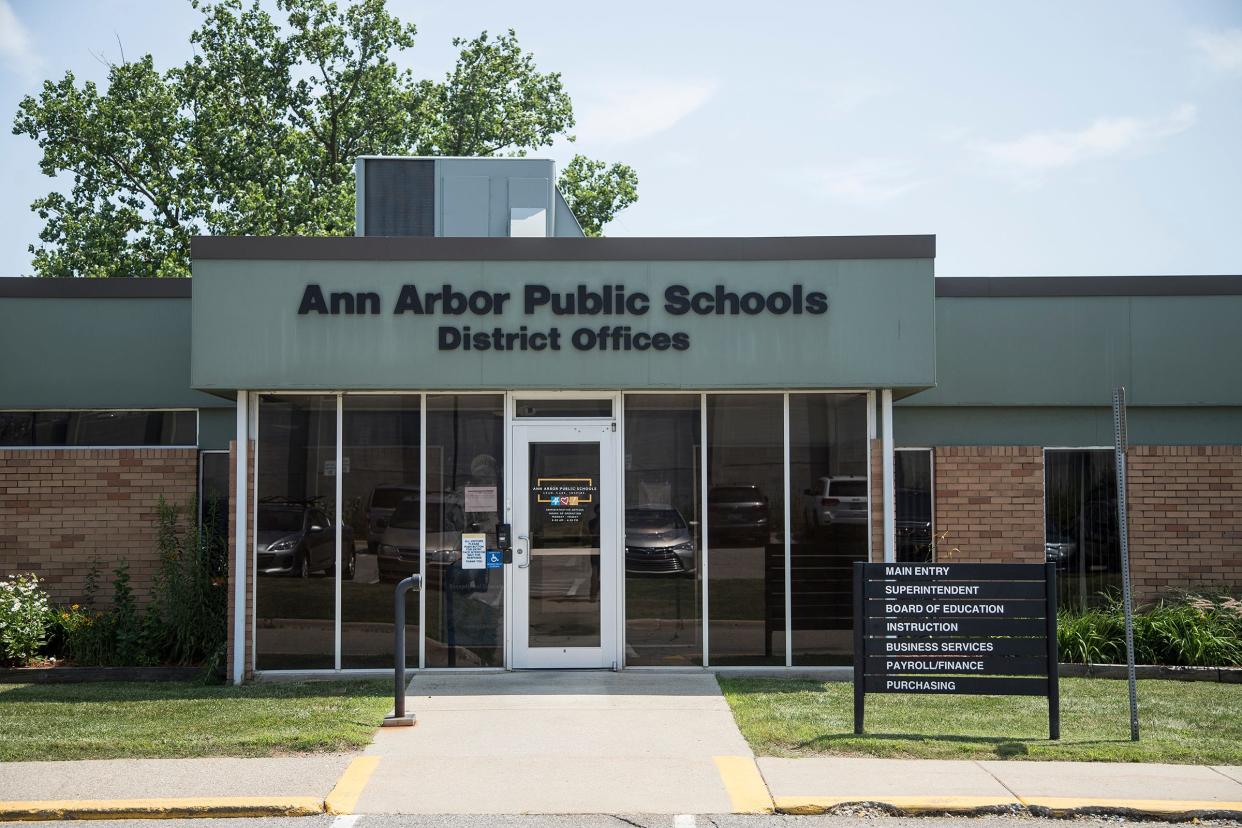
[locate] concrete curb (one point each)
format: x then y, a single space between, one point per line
173 808
1172 810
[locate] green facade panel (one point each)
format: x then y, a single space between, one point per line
878 330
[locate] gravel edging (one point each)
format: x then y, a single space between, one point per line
1227 675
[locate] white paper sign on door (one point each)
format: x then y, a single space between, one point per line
474 551
480 498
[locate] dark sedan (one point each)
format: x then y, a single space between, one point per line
299 539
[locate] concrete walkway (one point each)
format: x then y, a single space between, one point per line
815 785
564 742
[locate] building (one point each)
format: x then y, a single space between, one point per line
689 440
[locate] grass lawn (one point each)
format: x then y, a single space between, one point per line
1186 722
161 719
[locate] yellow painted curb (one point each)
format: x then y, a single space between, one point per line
172 808
1069 805
905 804
747 791
344 797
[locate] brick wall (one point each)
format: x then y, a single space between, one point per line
989 501
62 509
249 630
1185 517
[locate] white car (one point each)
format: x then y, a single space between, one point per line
835 501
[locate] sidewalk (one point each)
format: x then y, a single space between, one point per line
810 786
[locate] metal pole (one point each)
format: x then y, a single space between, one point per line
399 717
1119 457
860 655
1054 657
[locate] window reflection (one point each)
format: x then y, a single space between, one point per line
745 509
663 546
912 473
465 493
1081 530
295 540
828 483
380 455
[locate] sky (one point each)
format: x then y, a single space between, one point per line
1032 138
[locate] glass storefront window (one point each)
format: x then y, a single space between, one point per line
379 509
663 530
828 485
98 428
295 538
745 524
912 483
465 493
1081 532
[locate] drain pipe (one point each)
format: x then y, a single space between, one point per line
399 718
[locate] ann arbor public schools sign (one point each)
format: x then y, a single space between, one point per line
610 300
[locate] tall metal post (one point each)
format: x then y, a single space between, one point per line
399 717
1119 457
860 654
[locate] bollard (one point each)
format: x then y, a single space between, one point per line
399 717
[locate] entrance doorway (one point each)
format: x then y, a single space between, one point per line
565 550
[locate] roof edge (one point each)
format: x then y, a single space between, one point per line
409 248
120 287
1049 286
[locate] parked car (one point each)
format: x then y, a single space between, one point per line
297 538
1060 546
380 505
397 553
738 515
658 541
835 501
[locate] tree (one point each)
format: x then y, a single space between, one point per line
596 192
256 134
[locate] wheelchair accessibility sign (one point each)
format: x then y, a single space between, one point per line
494 559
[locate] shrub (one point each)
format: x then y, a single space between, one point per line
190 602
24 616
1186 631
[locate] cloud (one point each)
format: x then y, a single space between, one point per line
1223 49
866 181
16 50
630 112
1038 153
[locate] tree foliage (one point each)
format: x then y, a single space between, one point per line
257 133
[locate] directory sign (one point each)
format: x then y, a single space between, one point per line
970 629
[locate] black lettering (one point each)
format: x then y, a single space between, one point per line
779 302
661 341
449 338
637 304
369 303
584 339
312 300
681 342
677 300
726 298
454 302
752 303
642 341
816 303
340 300
408 301
536 296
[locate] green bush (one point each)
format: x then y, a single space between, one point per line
185 621
1186 631
24 616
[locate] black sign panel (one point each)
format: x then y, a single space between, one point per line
969 629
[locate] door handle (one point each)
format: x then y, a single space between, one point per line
523 549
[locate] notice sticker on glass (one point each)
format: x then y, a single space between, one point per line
480 498
474 551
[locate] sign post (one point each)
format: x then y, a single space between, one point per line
1120 439
968 629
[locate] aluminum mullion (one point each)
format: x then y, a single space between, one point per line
336 519
703 517
788 543
422 530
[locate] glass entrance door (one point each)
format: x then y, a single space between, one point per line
565 545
